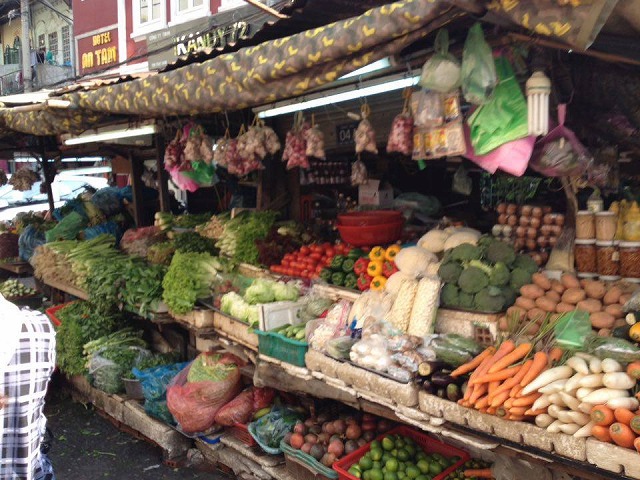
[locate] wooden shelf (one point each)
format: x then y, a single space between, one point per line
19 268
69 289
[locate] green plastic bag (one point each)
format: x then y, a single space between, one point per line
441 72
504 118
478 71
572 329
204 175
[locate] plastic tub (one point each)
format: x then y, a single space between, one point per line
585 225
609 278
585 256
608 258
427 443
240 431
630 259
371 235
278 346
606 226
304 467
51 313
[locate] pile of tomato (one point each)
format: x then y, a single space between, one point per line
309 261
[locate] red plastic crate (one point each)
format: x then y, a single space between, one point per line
241 432
51 313
427 443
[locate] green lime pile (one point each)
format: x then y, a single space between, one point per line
469 465
397 457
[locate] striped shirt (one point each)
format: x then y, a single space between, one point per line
24 384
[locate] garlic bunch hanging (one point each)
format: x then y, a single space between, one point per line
315 141
365 134
295 145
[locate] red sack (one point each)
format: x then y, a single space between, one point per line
238 410
262 398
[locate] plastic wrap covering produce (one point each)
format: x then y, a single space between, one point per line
9 245
108 367
154 383
74 205
109 200
136 241
242 408
271 429
417 203
478 70
29 240
315 142
68 228
401 135
295 147
441 72
359 174
201 390
110 228
334 325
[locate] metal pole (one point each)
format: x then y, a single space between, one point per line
26 46
48 174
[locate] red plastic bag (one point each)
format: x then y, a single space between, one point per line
238 410
262 398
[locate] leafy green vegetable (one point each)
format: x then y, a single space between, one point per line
194 242
190 277
240 234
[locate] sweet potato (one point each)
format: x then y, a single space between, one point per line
602 320
546 304
503 323
516 312
590 305
573 295
555 296
595 289
536 313
620 322
624 298
557 286
569 281
541 280
531 291
612 296
565 307
604 332
525 303
615 309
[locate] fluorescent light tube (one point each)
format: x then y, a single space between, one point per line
111 135
372 67
320 99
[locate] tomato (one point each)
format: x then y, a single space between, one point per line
305 250
325 246
304 273
316 256
330 252
319 268
285 263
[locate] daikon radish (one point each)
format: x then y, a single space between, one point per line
579 365
585 431
580 418
603 395
630 403
553 387
591 381
542 402
585 356
564 416
544 420
610 365
583 392
618 380
595 365
556 399
555 427
571 402
573 382
547 377
569 428
554 410
585 407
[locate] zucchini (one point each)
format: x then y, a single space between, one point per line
621 332
429 367
442 379
453 392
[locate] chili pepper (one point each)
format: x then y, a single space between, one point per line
338 279
347 265
361 266
325 275
364 281
374 268
336 263
351 281
376 253
378 283
389 268
391 252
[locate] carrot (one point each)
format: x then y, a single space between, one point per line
622 435
478 473
517 411
493 386
555 355
462 402
482 403
515 418
478 392
508 403
516 355
623 415
473 363
515 380
636 443
498 376
515 391
527 400
635 424
633 370
488 362
601 432
501 412
491 410
535 413
602 415
499 399
540 360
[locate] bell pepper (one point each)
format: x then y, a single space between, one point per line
374 268
389 268
347 265
325 274
336 263
351 281
356 253
391 252
376 253
364 281
338 279
378 283
360 266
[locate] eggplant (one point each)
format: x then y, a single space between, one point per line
441 393
429 367
427 386
453 392
442 379
463 388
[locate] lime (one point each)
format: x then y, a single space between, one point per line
392 465
385 457
401 475
402 466
366 475
435 468
423 477
400 443
376 454
377 465
376 445
403 455
423 466
365 463
394 452
411 449
355 472
412 472
376 474
390 476
437 456
387 444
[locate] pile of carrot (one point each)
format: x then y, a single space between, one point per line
620 426
499 376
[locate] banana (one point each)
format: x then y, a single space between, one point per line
261 413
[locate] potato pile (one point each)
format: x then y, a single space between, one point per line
544 296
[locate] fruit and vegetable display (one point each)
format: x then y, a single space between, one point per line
309 261
238 239
473 470
484 277
11 289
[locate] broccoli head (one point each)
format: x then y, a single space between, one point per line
489 299
466 252
449 295
472 280
509 294
499 275
449 272
519 278
498 251
526 263
466 300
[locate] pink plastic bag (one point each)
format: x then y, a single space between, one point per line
182 181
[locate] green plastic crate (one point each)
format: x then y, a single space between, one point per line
278 346
304 467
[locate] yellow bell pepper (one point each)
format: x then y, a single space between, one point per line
375 268
376 253
377 283
391 252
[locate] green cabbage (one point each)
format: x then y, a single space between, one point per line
285 292
261 291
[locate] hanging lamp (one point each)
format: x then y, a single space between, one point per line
538 89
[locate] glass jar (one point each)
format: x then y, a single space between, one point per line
606 226
630 259
585 256
607 258
585 225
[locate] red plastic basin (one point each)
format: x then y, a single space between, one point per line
372 234
372 217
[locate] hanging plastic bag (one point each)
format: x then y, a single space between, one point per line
295 145
441 72
504 117
478 72
315 141
560 153
174 152
271 140
359 174
182 181
401 134
462 182
365 135
220 150
202 173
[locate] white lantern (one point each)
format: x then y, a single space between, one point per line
538 90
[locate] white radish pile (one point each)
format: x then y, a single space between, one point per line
570 392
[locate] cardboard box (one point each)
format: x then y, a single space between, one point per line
375 193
